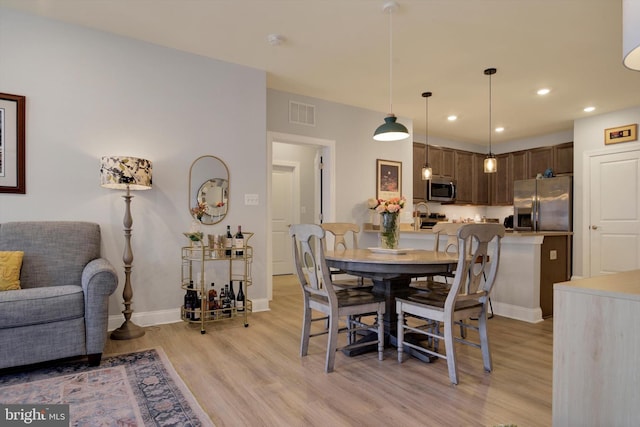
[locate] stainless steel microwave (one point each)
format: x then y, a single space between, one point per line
440 189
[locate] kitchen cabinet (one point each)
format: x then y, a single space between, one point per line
480 181
442 161
563 159
502 181
419 186
519 160
555 266
464 176
539 160
476 187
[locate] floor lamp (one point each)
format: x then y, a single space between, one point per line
126 173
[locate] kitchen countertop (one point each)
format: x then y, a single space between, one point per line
408 229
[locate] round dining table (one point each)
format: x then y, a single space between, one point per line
391 272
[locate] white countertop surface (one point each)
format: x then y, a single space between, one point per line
619 285
367 228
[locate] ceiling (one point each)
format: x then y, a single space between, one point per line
339 50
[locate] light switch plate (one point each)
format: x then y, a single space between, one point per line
251 199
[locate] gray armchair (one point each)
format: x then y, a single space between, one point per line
61 309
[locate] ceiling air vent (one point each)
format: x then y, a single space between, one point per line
302 114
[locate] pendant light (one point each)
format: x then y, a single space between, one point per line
426 169
390 130
490 163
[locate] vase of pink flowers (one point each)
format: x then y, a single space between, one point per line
389 211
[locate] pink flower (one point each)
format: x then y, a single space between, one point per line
393 205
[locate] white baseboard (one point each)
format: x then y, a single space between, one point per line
530 315
160 317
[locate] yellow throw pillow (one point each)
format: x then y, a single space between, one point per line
10 264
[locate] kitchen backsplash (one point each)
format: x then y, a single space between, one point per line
462 212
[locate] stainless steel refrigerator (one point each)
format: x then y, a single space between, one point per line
543 204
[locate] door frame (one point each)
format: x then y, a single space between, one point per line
586 200
327 147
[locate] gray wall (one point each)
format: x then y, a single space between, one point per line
91 94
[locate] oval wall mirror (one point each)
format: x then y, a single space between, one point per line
208 189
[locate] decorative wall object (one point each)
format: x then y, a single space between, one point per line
621 134
388 179
12 144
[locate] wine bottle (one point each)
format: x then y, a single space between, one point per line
239 242
228 242
240 298
197 305
221 298
187 305
212 301
232 294
226 303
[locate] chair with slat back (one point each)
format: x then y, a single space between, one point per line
440 230
340 232
467 298
319 294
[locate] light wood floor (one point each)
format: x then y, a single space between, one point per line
255 377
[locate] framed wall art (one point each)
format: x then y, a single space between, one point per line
621 134
388 179
12 140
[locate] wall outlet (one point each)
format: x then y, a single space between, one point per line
251 199
553 254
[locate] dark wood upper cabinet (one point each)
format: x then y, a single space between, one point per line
464 176
502 181
419 186
442 161
540 159
480 181
519 160
476 187
563 159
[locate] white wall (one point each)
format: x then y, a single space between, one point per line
589 137
356 152
91 94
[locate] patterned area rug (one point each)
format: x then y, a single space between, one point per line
135 389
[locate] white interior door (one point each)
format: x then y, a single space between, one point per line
284 204
614 227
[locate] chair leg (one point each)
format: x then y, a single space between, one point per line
332 342
451 353
380 335
400 333
484 341
306 332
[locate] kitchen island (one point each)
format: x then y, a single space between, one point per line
530 263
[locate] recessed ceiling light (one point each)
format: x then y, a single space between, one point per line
543 91
452 118
499 129
589 109
275 39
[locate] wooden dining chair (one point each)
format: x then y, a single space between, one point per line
441 281
341 232
319 294
432 315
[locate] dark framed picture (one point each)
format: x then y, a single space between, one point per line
388 179
12 150
621 134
